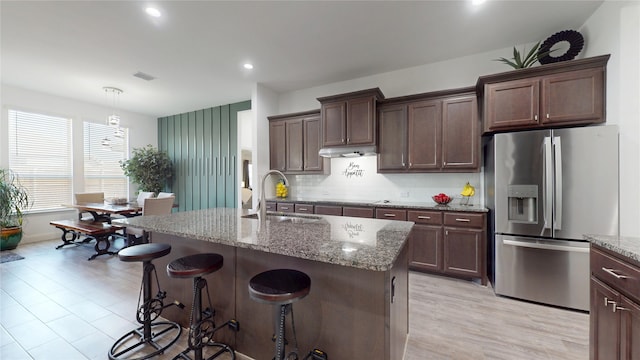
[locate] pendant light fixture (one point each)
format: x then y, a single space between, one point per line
113 119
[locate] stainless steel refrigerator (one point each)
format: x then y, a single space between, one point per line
545 189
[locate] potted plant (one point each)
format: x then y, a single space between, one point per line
14 198
149 168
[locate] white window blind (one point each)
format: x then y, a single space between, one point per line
40 154
102 171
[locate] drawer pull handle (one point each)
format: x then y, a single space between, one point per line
607 302
463 220
390 215
617 307
285 208
610 272
303 209
424 217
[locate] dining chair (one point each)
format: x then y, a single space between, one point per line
144 195
88 198
152 206
165 194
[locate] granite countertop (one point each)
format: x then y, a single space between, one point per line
452 206
370 244
625 246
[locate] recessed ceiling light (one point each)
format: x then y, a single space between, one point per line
151 11
477 2
248 66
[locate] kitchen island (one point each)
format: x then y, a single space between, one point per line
358 304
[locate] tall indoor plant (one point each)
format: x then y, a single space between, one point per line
14 198
149 168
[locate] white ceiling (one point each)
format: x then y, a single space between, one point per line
196 49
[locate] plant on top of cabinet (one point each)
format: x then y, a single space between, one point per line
560 94
349 119
431 132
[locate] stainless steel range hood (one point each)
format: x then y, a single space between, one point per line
355 151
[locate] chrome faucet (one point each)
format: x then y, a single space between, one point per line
262 206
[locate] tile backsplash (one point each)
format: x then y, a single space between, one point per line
357 179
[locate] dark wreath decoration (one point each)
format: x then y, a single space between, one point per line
575 40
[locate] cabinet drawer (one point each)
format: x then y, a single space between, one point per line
461 219
304 208
328 210
391 214
362 212
271 206
285 207
621 275
425 217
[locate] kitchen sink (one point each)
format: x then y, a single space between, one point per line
294 219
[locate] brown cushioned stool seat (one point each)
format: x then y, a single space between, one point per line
144 252
195 265
280 286
202 327
153 337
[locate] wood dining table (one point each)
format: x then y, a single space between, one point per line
103 211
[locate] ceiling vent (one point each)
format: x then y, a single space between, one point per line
144 76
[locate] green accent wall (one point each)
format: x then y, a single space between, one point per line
203 146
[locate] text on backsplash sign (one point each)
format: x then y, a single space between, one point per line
352 170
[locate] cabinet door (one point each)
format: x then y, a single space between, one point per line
573 97
311 140
512 104
425 135
630 329
293 140
604 323
392 138
425 248
360 121
460 135
277 146
463 253
334 115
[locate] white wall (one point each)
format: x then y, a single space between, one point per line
142 131
615 29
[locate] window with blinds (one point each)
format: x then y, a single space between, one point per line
40 154
102 171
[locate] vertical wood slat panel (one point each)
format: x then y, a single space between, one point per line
224 155
203 148
191 138
208 177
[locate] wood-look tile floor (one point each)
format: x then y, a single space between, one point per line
54 304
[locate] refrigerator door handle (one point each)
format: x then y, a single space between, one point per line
535 245
557 214
547 183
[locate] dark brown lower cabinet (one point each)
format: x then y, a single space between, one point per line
449 243
615 307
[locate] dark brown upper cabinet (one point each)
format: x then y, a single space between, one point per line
432 132
294 142
554 95
349 119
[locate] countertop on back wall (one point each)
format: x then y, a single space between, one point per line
452 206
625 246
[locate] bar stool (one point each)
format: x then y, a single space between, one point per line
280 287
202 326
151 332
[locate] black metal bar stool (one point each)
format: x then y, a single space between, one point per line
281 287
202 326
153 336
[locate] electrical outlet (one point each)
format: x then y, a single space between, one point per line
404 194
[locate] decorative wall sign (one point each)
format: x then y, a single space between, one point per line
575 40
352 170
